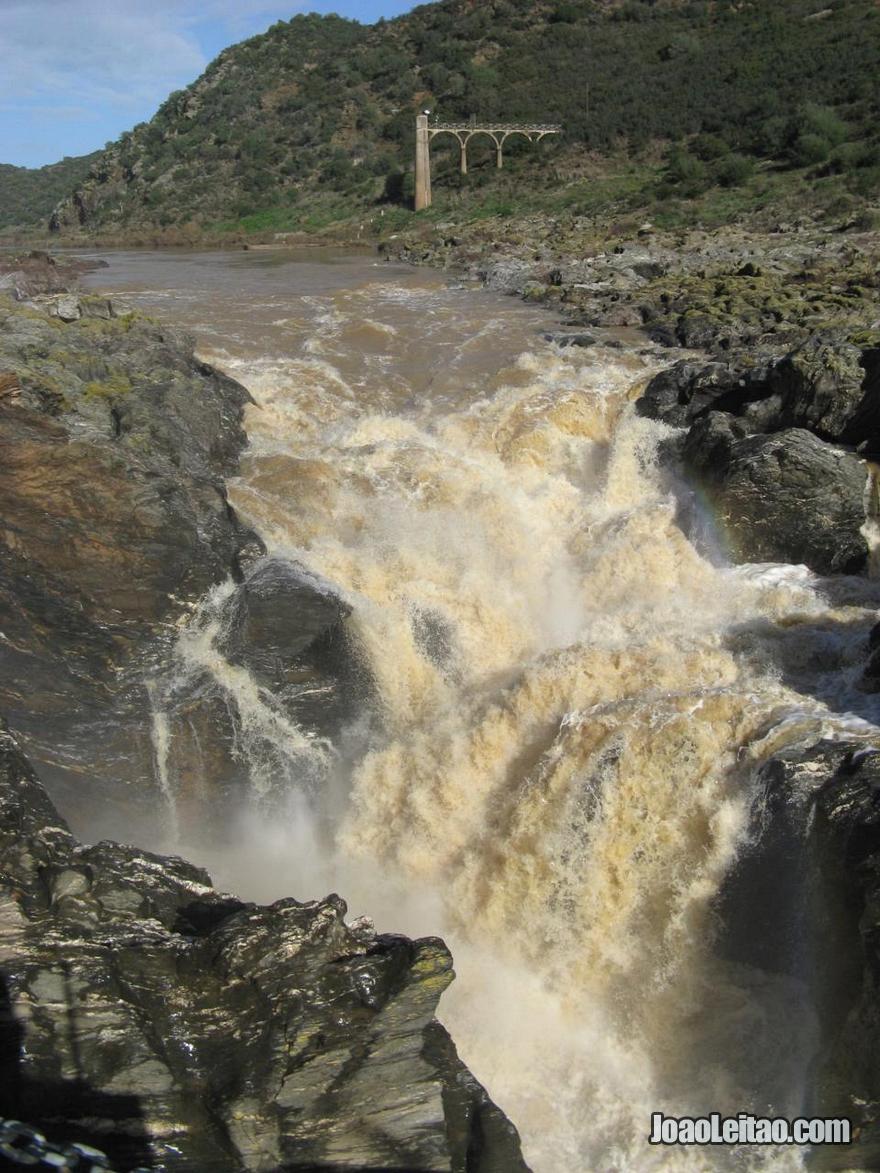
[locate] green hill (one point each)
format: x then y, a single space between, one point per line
312 121
28 195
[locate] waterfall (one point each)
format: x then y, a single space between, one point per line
573 697
161 738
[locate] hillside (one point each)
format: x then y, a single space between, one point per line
28 195
312 122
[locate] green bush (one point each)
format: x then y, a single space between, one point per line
686 173
824 123
733 170
709 146
808 149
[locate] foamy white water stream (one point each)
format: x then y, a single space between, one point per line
573 696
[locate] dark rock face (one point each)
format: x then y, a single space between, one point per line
863 429
763 444
114 441
805 900
820 386
163 1021
287 630
787 497
687 390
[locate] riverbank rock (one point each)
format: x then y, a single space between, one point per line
687 390
27 275
113 453
804 900
786 497
821 385
162 1021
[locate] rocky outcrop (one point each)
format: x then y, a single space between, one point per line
787 497
729 291
776 447
38 272
805 900
177 1027
822 385
114 444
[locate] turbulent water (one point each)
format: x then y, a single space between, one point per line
574 689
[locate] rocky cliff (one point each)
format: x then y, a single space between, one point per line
805 901
114 444
178 1028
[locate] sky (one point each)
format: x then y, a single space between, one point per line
80 72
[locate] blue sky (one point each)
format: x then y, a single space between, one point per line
79 72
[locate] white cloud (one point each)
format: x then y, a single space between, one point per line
93 52
107 62
123 52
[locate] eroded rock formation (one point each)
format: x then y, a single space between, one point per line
166 1022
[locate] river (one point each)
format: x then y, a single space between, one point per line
575 688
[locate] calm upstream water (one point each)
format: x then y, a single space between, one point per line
562 776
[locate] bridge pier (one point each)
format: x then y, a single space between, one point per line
423 163
464 132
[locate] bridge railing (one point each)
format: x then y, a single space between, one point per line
499 127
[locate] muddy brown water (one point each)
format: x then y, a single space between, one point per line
562 792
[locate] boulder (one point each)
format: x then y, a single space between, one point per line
819 385
824 385
66 307
687 390
786 497
562 338
173 1026
289 631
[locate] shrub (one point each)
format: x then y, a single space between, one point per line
808 149
733 170
709 146
824 123
686 173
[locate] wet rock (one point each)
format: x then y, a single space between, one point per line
621 315
870 678
827 385
113 450
863 428
804 900
288 630
561 338
786 497
819 385
144 1012
688 390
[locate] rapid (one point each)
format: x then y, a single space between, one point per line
571 689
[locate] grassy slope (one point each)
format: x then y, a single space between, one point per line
310 125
